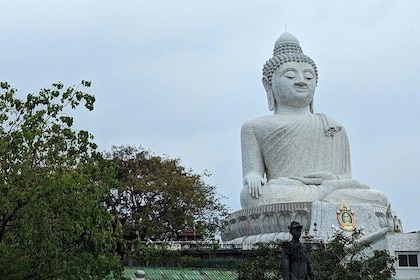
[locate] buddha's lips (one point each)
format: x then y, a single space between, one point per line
300 88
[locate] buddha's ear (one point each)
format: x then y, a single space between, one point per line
311 106
270 95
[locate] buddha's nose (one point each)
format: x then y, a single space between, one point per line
300 80
300 84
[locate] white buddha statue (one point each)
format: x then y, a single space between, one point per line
296 155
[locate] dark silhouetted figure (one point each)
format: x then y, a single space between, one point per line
296 262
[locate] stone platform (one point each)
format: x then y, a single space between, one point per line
319 219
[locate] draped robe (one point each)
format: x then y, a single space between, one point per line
282 148
286 148
295 146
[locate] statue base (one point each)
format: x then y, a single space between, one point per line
320 220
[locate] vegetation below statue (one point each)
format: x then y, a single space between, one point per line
154 198
69 211
341 259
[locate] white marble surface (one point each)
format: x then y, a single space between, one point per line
296 163
270 222
295 155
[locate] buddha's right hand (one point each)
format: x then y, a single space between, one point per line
254 184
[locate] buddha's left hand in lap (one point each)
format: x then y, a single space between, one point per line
316 178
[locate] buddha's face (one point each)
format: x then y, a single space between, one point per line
293 84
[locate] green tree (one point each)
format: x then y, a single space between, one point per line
53 223
346 257
156 198
262 262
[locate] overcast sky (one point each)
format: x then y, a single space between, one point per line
180 77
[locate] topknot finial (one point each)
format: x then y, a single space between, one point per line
287 43
287 37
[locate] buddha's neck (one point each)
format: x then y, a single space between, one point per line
287 110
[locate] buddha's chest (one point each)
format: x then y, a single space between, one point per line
282 131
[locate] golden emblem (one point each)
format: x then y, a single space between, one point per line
346 217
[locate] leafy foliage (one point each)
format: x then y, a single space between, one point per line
53 223
155 197
143 255
263 262
343 258
346 257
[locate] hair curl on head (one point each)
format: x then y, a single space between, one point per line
286 49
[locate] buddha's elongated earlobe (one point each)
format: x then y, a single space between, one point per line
311 107
270 96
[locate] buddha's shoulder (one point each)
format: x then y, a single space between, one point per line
326 117
278 121
263 122
330 121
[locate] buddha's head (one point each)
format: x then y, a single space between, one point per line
289 77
